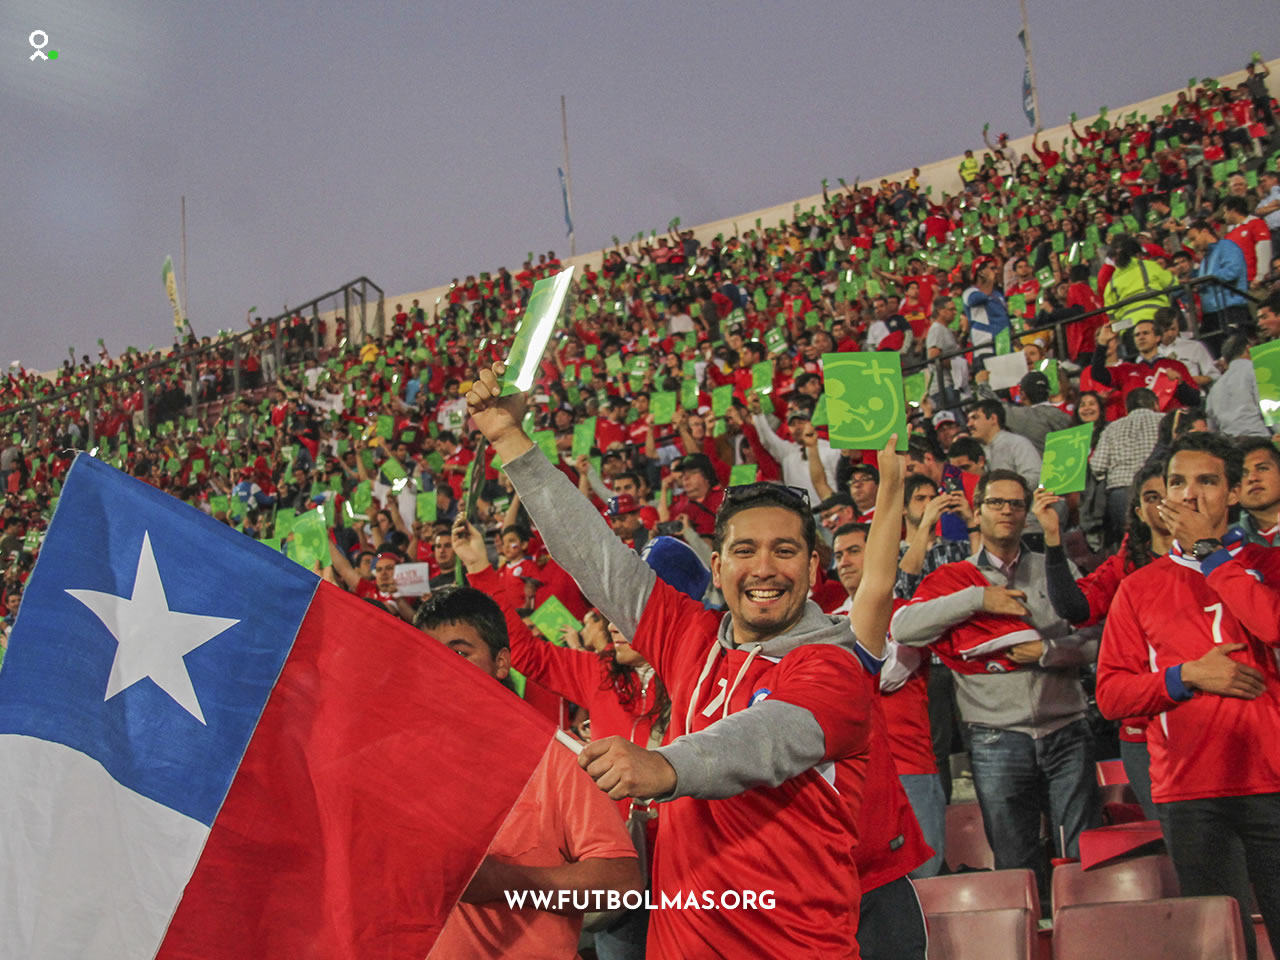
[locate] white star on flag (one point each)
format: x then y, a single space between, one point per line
151 638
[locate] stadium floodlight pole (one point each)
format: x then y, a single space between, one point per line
568 176
1031 69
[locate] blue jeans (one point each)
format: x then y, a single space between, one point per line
924 791
1018 779
1137 766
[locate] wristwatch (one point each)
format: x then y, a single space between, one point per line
1203 548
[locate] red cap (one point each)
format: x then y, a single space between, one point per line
623 503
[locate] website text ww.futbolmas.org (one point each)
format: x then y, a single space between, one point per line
598 900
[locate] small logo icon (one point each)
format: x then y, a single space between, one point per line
40 45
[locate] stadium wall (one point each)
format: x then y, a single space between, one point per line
942 175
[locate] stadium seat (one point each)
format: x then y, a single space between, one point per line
966 844
1117 793
982 891
1111 771
980 935
1191 928
1142 878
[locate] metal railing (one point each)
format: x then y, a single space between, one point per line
1058 327
285 344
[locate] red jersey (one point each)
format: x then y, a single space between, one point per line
906 710
1099 589
797 838
1248 236
1168 613
608 433
975 645
890 842
1129 376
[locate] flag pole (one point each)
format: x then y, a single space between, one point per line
185 299
568 176
1031 70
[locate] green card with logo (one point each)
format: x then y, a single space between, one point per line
865 400
1066 459
1266 368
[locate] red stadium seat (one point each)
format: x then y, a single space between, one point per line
981 892
980 935
1192 928
1142 878
966 843
1111 771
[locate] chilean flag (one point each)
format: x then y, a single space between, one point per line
206 751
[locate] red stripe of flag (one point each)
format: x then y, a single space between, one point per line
378 775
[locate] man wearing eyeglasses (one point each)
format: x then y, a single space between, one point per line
770 722
1017 682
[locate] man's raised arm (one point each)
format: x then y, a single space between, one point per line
609 573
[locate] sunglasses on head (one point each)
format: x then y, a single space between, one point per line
763 488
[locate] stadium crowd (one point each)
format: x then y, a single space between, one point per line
1037 634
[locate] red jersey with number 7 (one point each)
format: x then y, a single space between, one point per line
1175 610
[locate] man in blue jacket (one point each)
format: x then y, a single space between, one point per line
1225 308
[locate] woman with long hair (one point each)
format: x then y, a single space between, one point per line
1085 601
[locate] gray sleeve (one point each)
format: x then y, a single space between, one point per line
920 623
610 574
1073 650
1029 462
763 746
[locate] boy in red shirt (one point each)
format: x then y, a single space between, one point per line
1190 640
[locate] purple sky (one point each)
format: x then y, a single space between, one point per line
415 142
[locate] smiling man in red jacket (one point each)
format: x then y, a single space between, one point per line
767 703
1191 641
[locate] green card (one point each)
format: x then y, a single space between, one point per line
310 540
1266 369
1049 367
584 437
865 400
775 340
762 376
218 504
362 497
392 470
1003 344
1066 459
819 418
534 331
427 506
689 395
613 364
1017 304
662 404
743 473
913 387
721 400
548 619
546 441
